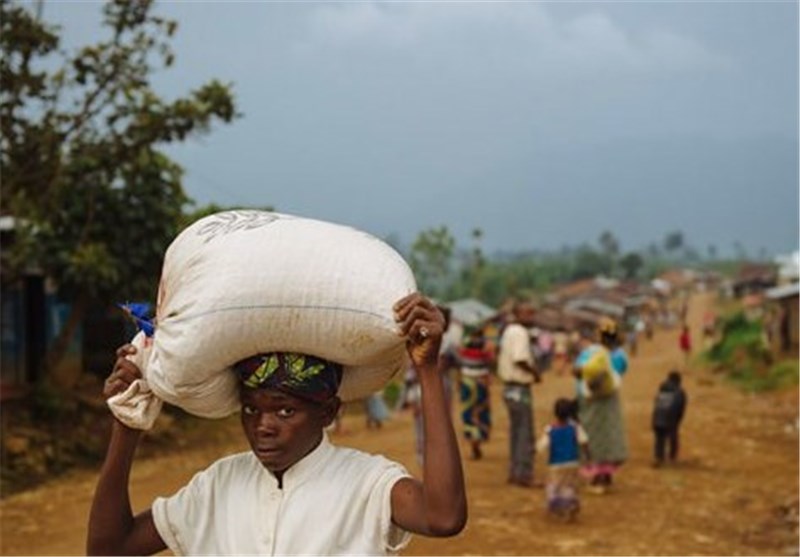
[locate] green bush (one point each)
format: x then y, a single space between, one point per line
743 356
785 373
781 375
741 343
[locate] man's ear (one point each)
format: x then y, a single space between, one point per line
330 409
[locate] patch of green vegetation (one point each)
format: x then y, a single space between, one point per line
781 375
391 393
742 354
742 341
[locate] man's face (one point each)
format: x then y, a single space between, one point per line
282 429
525 314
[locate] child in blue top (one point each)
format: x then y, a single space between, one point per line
564 440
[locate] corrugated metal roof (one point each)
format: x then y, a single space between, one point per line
470 311
783 291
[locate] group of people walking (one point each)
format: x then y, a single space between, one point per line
589 425
585 441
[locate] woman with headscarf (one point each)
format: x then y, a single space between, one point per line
600 409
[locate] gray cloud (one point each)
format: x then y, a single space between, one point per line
542 123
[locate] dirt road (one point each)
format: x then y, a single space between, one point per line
734 493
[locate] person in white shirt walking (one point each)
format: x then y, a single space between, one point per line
294 492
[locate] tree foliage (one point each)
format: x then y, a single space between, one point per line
673 241
451 271
431 258
475 264
94 197
589 263
609 243
631 264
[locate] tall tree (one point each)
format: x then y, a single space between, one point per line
609 243
477 263
588 263
610 246
94 198
631 264
673 242
431 258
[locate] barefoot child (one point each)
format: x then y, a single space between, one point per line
564 440
294 492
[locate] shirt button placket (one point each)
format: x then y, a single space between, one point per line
273 508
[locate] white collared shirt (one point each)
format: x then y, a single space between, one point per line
334 501
515 346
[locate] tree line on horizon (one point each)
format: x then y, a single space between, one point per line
448 271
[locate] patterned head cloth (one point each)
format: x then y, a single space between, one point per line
300 375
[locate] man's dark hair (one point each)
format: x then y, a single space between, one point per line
674 377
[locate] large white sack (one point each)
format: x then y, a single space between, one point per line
238 283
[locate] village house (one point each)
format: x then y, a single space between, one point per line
786 332
753 278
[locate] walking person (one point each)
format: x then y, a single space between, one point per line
515 367
560 350
600 407
668 410
619 358
294 492
376 410
632 338
685 343
564 440
474 381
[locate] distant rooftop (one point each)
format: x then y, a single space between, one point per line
784 291
788 266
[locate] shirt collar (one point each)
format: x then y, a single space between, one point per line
304 468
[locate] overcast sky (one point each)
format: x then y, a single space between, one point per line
541 123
